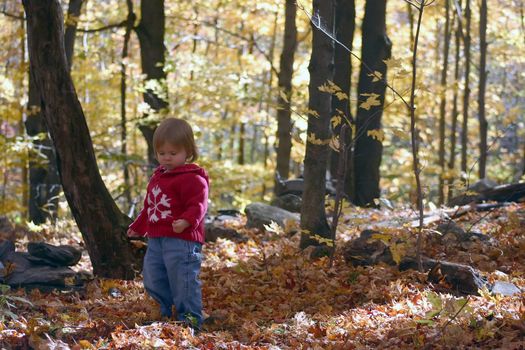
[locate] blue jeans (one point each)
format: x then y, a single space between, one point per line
171 277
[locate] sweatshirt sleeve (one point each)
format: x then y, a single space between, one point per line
140 225
195 194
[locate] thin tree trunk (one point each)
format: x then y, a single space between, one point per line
414 137
344 32
150 33
25 167
466 93
269 95
368 150
313 215
73 13
443 103
232 140
242 137
483 124
123 86
455 112
284 121
102 225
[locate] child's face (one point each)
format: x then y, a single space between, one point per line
171 156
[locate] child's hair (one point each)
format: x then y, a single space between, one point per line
176 132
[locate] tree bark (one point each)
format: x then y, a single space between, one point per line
455 112
73 13
443 103
466 93
483 124
150 33
123 87
344 32
284 121
44 182
102 225
313 215
368 151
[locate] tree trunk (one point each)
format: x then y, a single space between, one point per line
443 102
313 215
102 225
242 137
44 181
73 13
284 121
368 150
455 112
344 31
466 93
123 87
483 125
150 33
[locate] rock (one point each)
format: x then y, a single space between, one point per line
452 231
63 255
6 247
215 230
464 279
296 186
367 250
505 288
290 202
449 228
260 214
482 185
25 272
229 212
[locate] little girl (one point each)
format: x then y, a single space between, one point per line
173 221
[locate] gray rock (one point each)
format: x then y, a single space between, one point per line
464 279
290 202
63 255
366 251
215 230
5 248
25 272
482 185
505 288
260 214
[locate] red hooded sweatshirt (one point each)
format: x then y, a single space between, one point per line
179 193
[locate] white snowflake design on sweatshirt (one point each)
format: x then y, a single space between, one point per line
158 204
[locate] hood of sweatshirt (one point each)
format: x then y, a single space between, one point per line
186 168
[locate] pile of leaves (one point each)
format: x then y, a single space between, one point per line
267 294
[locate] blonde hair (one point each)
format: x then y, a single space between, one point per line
178 133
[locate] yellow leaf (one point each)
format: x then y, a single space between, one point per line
283 96
334 144
392 63
341 95
312 139
370 101
377 134
336 120
312 112
376 76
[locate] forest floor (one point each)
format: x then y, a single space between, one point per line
266 294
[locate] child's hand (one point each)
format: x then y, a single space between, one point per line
132 233
180 225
